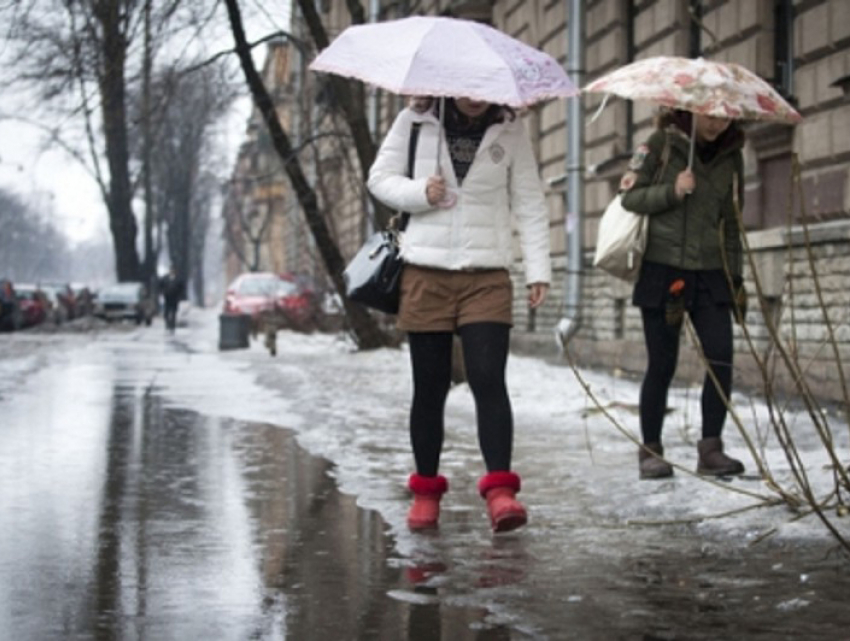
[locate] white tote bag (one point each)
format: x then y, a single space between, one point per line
621 241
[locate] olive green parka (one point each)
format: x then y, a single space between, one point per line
700 232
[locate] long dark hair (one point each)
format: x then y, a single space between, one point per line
683 120
495 113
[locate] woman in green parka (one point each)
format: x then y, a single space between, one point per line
692 265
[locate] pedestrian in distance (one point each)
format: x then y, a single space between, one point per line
457 248
692 265
173 291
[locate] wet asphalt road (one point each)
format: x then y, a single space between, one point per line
125 517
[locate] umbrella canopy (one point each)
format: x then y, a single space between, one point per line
447 57
721 89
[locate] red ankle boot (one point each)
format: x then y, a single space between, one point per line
499 489
427 492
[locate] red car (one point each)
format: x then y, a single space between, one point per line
33 303
11 318
303 307
266 293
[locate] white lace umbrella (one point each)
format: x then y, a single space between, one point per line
721 89
445 57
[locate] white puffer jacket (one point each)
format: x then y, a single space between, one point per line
502 188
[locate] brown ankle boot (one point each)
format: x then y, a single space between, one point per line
713 462
499 489
651 466
427 491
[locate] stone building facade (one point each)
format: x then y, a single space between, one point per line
263 227
797 198
797 213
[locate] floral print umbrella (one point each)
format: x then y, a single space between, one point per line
721 89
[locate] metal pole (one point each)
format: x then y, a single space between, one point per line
372 115
573 216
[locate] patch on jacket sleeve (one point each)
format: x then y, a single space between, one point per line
639 157
628 180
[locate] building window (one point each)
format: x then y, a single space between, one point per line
783 47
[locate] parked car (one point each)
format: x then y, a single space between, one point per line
34 304
125 301
301 306
269 298
11 318
61 298
252 294
83 300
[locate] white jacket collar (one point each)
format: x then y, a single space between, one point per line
428 117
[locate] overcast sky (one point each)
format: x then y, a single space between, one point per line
58 186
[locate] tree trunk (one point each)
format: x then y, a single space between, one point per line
366 331
179 230
122 222
352 109
199 223
150 253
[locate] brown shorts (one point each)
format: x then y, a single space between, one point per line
439 300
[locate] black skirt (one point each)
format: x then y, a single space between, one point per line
707 286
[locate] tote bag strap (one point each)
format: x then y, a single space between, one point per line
665 158
411 159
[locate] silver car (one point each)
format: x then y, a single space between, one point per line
125 301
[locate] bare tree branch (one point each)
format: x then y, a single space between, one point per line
367 332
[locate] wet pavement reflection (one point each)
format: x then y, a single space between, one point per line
125 516
122 518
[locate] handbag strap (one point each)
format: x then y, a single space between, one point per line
411 159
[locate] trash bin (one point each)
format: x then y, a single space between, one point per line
234 331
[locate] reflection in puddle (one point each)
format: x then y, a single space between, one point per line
187 527
122 517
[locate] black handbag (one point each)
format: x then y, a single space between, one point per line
373 277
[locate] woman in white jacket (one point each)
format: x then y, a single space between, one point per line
457 248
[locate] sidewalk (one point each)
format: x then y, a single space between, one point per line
604 554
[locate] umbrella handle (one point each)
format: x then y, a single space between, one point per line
440 135
600 108
449 199
693 140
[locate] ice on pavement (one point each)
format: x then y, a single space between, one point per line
351 408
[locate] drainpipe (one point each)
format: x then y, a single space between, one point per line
374 96
372 112
631 50
573 216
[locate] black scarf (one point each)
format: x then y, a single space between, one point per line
464 135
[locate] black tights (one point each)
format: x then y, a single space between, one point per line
713 327
485 355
